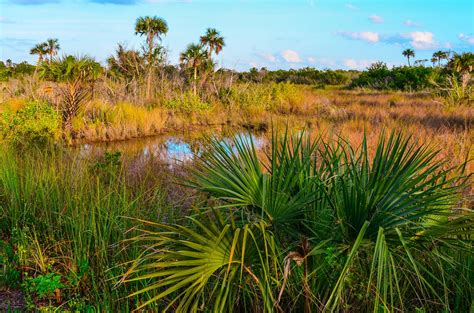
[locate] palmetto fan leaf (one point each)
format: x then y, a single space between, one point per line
313 225
234 174
399 187
201 264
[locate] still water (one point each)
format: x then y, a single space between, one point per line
169 149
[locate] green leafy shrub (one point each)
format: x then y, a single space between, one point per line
379 76
37 123
187 103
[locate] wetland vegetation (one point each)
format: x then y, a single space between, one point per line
139 185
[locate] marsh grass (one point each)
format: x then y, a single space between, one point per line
66 214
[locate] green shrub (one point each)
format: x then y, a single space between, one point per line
37 123
188 103
379 76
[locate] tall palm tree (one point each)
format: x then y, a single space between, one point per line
41 50
52 47
193 57
408 53
213 41
152 27
440 55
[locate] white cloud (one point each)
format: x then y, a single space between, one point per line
291 56
357 64
269 57
365 36
469 39
376 19
410 23
311 60
421 40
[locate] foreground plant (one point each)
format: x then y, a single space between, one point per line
316 227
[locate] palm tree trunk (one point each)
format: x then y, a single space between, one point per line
148 82
408 61
150 65
195 80
40 59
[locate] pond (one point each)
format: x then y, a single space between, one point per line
170 149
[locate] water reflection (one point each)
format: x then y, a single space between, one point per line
169 149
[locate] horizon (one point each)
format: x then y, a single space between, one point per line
279 35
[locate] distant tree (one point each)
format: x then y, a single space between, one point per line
421 62
41 50
193 57
153 28
213 41
434 61
440 55
52 47
408 53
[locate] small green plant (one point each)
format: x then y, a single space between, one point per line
44 286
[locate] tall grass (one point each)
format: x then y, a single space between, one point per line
66 214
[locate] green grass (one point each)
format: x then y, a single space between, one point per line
66 214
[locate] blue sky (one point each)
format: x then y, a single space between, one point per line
274 34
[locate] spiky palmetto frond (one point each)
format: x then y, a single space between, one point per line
332 213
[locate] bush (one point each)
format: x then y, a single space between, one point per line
188 103
37 123
379 76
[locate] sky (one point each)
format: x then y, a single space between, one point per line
279 34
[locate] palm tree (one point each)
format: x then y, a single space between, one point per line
440 55
213 40
52 47
408 53
464 65
193 57
151 27
74 78
434 60
40 49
